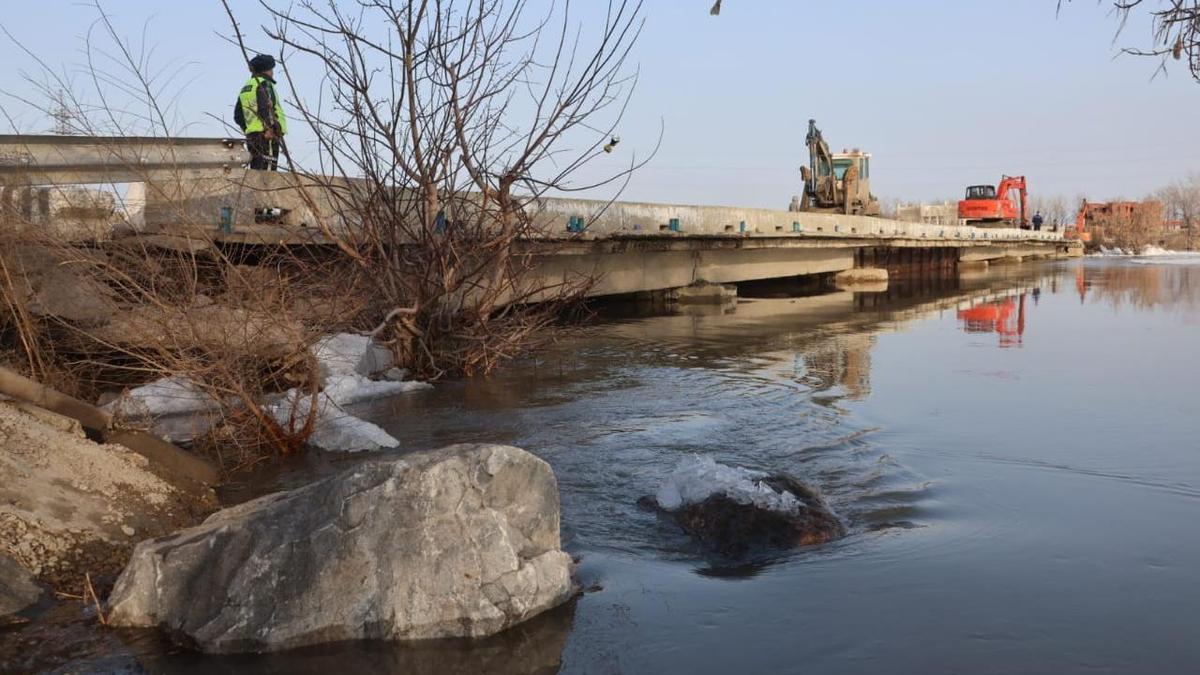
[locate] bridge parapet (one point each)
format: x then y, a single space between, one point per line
604 219
197 182
305 203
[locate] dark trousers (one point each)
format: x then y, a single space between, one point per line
264 154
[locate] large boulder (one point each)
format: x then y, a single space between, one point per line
734 511
457 542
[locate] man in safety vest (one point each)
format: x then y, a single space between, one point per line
260 115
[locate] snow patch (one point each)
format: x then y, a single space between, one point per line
697 478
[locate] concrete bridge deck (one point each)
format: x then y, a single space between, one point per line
194 189
630 247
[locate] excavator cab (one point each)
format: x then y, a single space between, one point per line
994 206
981 192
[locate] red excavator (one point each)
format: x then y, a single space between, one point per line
990 205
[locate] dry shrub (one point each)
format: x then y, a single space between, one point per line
440 129
443 127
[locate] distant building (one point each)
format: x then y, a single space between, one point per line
1120 223
1092 214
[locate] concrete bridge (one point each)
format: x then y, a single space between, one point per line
642 247
184 189
627 247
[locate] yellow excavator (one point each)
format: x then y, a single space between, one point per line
835 182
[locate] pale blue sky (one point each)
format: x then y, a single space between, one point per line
944 94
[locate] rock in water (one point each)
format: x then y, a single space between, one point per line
17 588
732 528
457 542
733 510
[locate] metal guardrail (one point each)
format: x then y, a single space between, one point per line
67 160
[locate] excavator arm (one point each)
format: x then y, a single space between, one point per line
818 187
820 159
1009 183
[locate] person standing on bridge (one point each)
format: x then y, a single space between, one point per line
1037 221
260 115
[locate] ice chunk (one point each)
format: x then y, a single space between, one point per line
166 396
350 353
347 360
334 429
347 389
697 478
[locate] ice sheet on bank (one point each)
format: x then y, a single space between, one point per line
347 361
334 429
1150 254
173 395
697 478
1153 255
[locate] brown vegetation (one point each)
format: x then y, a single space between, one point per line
442 127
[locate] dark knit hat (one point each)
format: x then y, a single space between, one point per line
262 63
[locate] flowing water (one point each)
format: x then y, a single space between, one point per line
1016 455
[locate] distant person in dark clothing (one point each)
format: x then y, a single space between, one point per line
1037 221
260 115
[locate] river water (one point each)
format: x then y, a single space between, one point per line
1016 454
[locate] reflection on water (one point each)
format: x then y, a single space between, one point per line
1010 510
1139 285
535 647
1005 318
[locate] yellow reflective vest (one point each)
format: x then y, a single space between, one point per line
248 98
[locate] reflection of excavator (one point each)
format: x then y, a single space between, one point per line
835 182
987 204
997 317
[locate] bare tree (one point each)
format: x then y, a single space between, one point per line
1181 203
442 126
1175 32
1053 208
